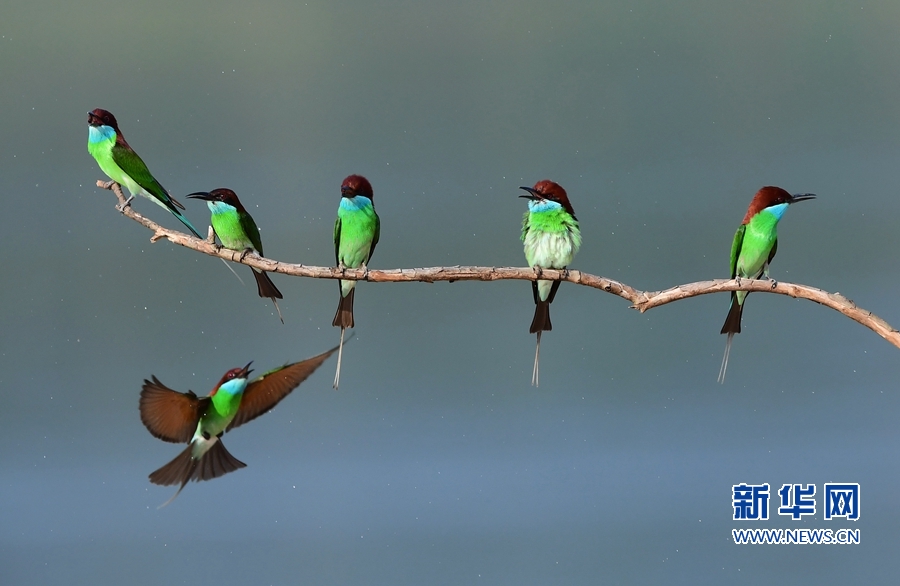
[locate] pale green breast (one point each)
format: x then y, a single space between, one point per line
551 238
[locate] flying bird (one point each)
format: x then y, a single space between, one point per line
178 417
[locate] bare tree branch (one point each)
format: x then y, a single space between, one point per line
641 300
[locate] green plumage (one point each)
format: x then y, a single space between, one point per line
356 233
202 421
752 249
118 160
551 238
236 230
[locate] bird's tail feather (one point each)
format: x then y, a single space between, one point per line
179 470
217 462
185 221
731 327
541 320
724 366
343 318
228 266
265 286
172 205
174 201
337 372
732 323
537 355
278 309
184 468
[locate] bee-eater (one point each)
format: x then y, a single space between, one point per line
121 164
200 421
237 231
552 237
753 248
356 233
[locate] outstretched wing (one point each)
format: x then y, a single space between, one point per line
129 161
736 248
266 391
169 415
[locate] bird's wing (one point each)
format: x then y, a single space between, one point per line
525 225
736 248
129 161
169 415
375 239
773 251
252 232
266 391
337 241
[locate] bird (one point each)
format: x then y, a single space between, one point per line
753 249
178 417
356 232
551 237
237 231
121 164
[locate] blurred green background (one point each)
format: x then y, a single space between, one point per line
437 462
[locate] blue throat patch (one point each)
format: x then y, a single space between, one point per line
101 133
543 205
233 387
355 203
777 210
220 207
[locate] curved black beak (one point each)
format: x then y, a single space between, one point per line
802 197
204 195
245 372
532 194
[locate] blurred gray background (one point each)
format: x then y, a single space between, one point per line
437 462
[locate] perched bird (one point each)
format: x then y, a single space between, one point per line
356 233
237 231
121 164
552 237
200 421
753 248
